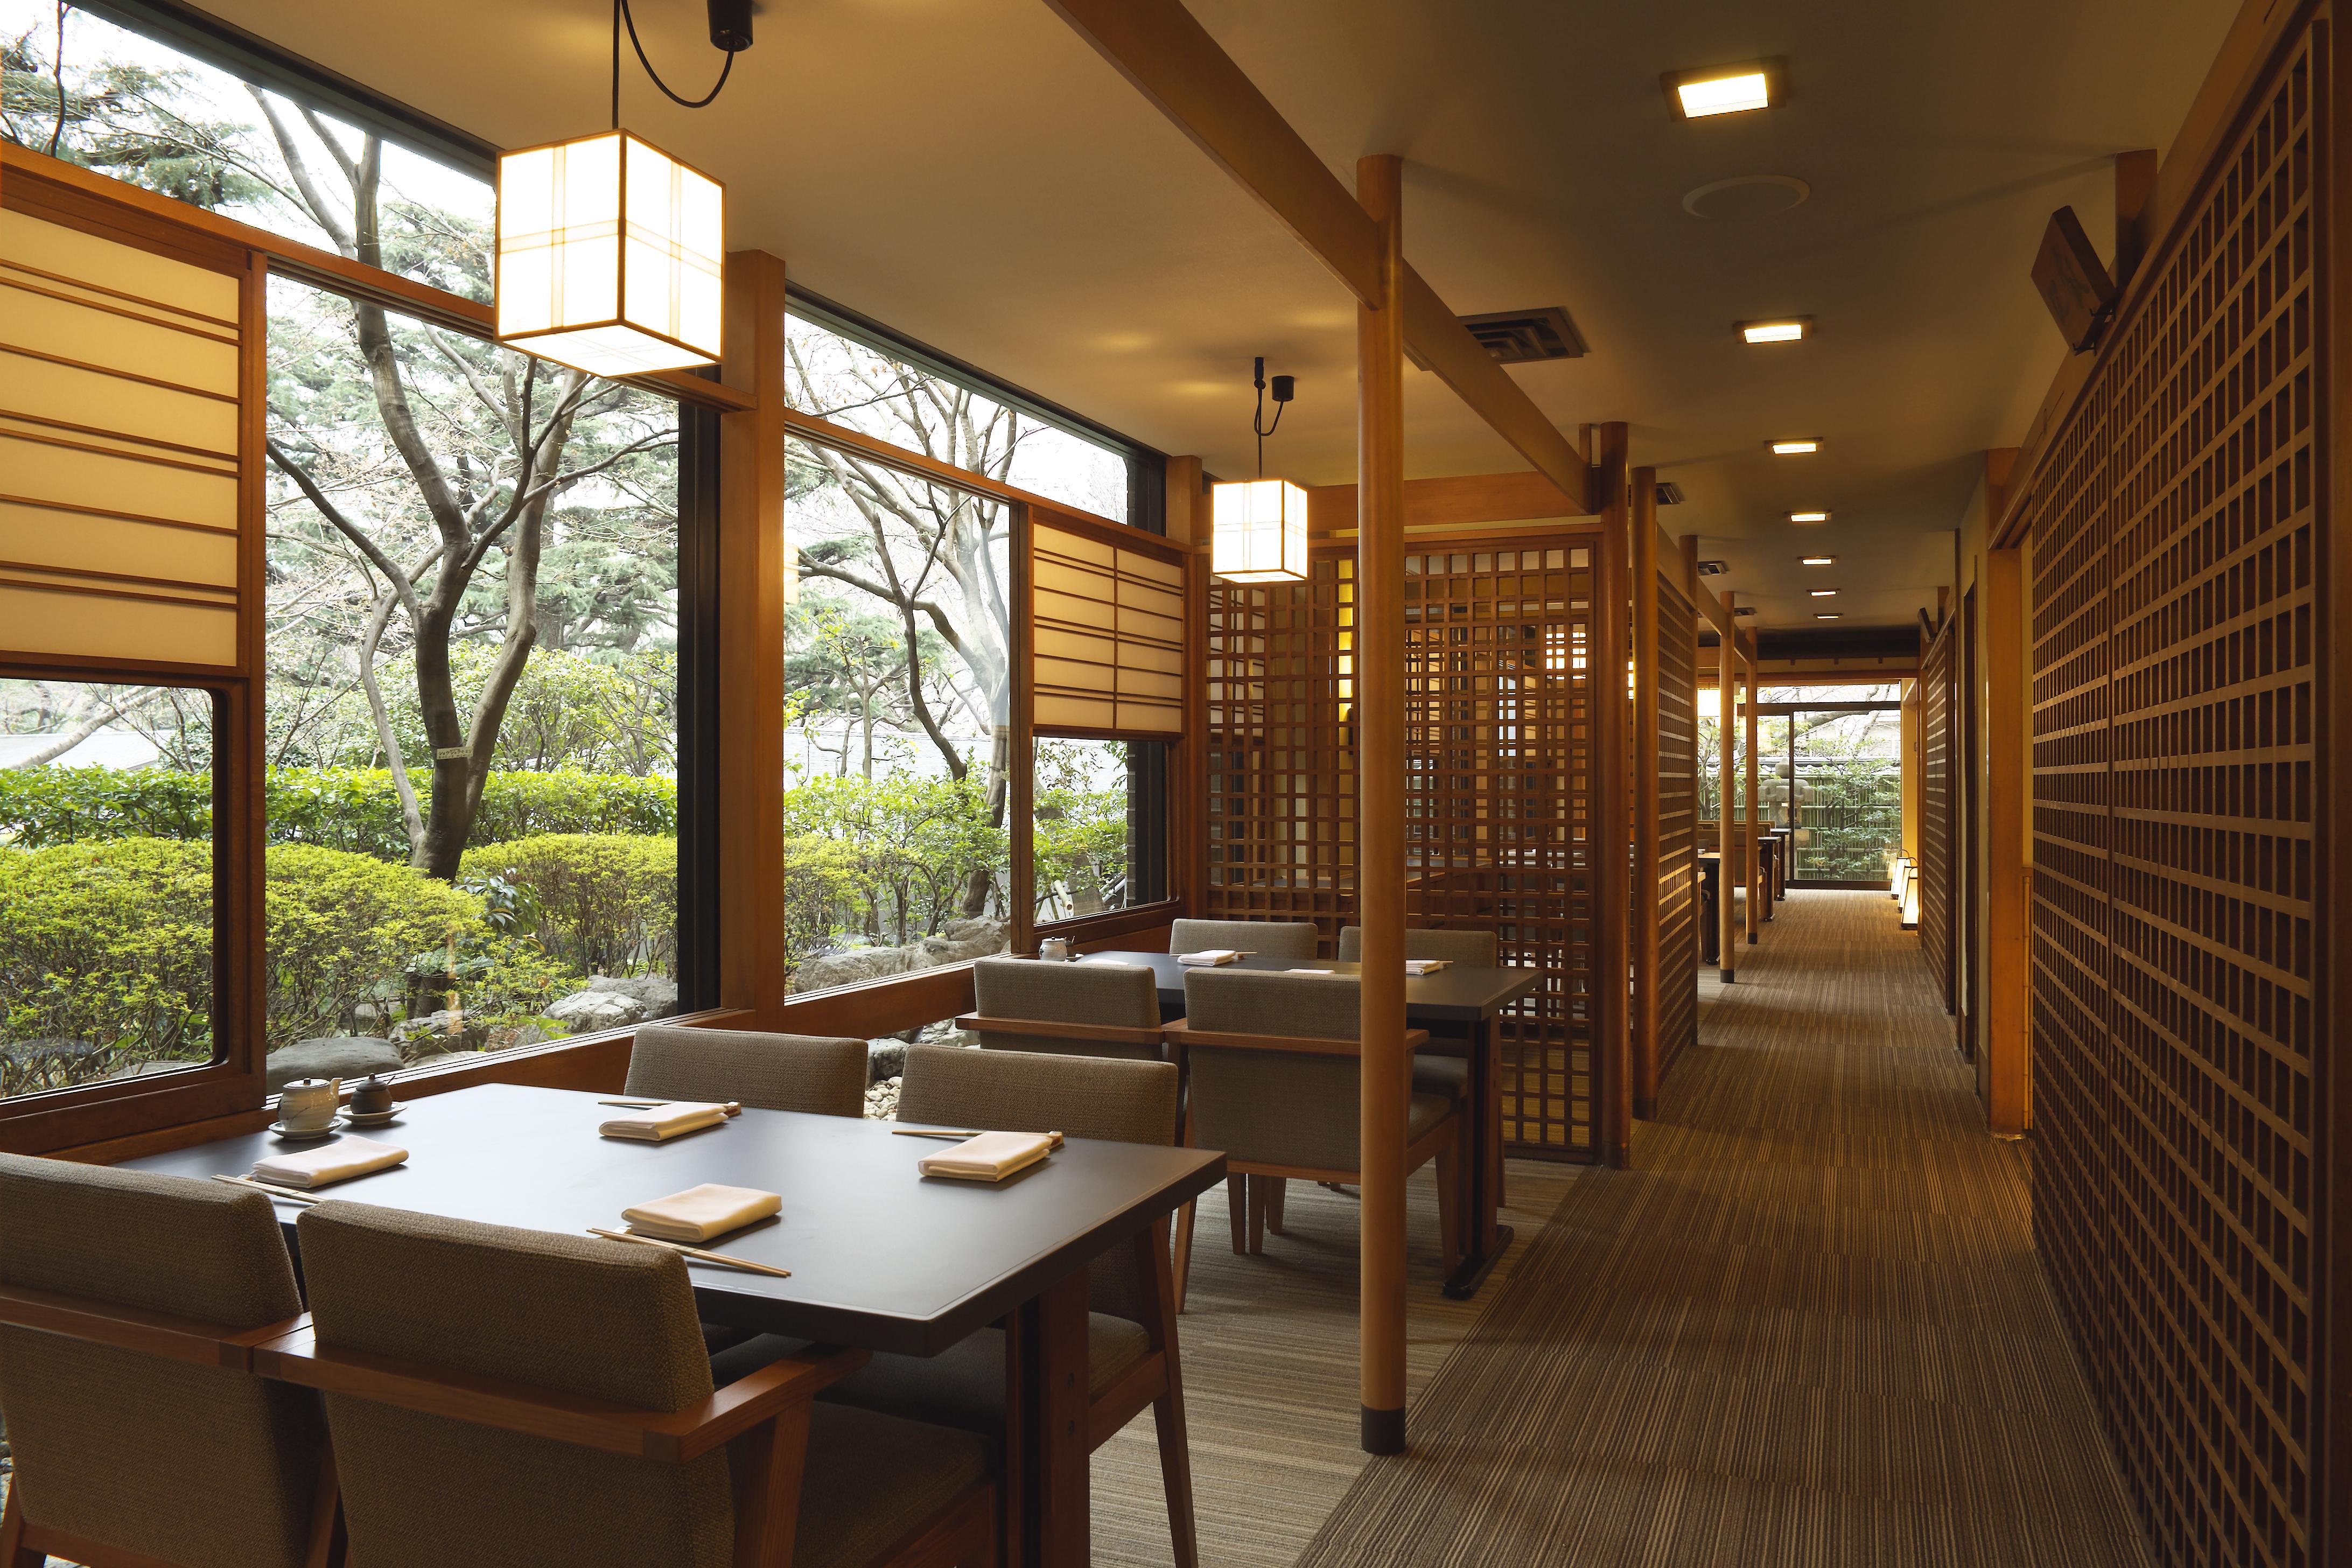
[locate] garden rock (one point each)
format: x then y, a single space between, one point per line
956 941
658 992
882 1099
330 1056
443 1031
586 1012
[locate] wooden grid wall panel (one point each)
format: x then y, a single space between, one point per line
1677 764
2175 532
1281 794
1937 686
1499 676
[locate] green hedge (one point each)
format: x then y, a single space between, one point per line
600 904
352 809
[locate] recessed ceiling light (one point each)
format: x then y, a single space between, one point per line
1818 560
1824 592
1827 616
1790 331
1809 517
1796 446
1723 90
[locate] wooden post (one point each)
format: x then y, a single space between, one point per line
1755 816
1612 1068
752 567
1726 825
1648 979
2002 1065
1188 764
1381 807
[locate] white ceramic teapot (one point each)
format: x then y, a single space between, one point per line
307 1104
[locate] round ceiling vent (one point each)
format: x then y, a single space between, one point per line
1747 196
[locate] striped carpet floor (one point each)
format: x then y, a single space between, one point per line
1806 1329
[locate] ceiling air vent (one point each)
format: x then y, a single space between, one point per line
1669 493
1525 337
1713 568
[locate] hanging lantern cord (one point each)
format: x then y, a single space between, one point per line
1257 417
621 17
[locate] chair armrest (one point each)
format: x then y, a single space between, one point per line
162 1335
1181 1033
665 1437
1118 1034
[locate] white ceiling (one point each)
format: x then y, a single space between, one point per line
972 173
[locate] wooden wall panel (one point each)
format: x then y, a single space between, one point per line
2177 527
1677 765
1938 754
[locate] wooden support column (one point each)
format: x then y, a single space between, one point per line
1381 807
1755 815
753 563
1648 979
1611 895
1727 824
1187 804
2002 1063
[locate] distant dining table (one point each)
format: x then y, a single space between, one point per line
1462 1005
880 1256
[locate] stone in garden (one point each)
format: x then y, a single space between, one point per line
443 1031
330 1056
586 1012
854 967
885 1058
658 992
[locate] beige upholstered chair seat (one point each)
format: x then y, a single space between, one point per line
1478 948
962 1388
1435 1074
771 1072
1273 939
872 1478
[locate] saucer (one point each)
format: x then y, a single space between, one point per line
372 1118
301 1134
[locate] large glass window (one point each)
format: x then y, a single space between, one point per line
106 882
1848 815
1098 813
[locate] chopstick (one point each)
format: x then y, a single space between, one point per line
950 1132
287 1194
707 1256
733 1107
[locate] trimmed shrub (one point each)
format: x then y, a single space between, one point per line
341 925
607 903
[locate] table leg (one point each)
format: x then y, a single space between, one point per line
1048 1468
1484 1239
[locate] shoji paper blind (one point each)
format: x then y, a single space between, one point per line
119 442
1107 635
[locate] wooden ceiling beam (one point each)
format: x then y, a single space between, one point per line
1440 502
1170 58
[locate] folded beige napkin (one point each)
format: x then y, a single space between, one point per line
1426 965
339 1161
1210 956
700 1213
656 1122
991 1157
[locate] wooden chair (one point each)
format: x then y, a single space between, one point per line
1275 939
1276 1070
1065 1009
517 1397
1131 1327
130 1306
771 1072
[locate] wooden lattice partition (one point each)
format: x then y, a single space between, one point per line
2178 525
1937 755
1677 764
1499 735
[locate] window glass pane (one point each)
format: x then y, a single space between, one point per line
106 882
1097 808
896 851
1849 821
536 655
849 382
142 112
1771 764
1834 696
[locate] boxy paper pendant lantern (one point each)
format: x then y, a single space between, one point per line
1258 531
609 256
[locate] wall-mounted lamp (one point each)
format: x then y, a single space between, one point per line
1258 526
611 252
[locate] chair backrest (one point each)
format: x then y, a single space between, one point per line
1274 1107
772 1072
1275 939
1478 948
1123 996
195 1465
572 1315
1079 1096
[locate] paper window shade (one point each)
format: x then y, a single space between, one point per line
119 478
1106 636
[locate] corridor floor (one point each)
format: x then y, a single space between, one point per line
1807 1328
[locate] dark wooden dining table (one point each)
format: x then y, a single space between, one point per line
881 1255
1461 1004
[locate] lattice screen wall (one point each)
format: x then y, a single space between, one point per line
2174 530
1498 732
1677 766
1937 757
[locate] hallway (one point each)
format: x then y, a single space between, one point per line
1808 1328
